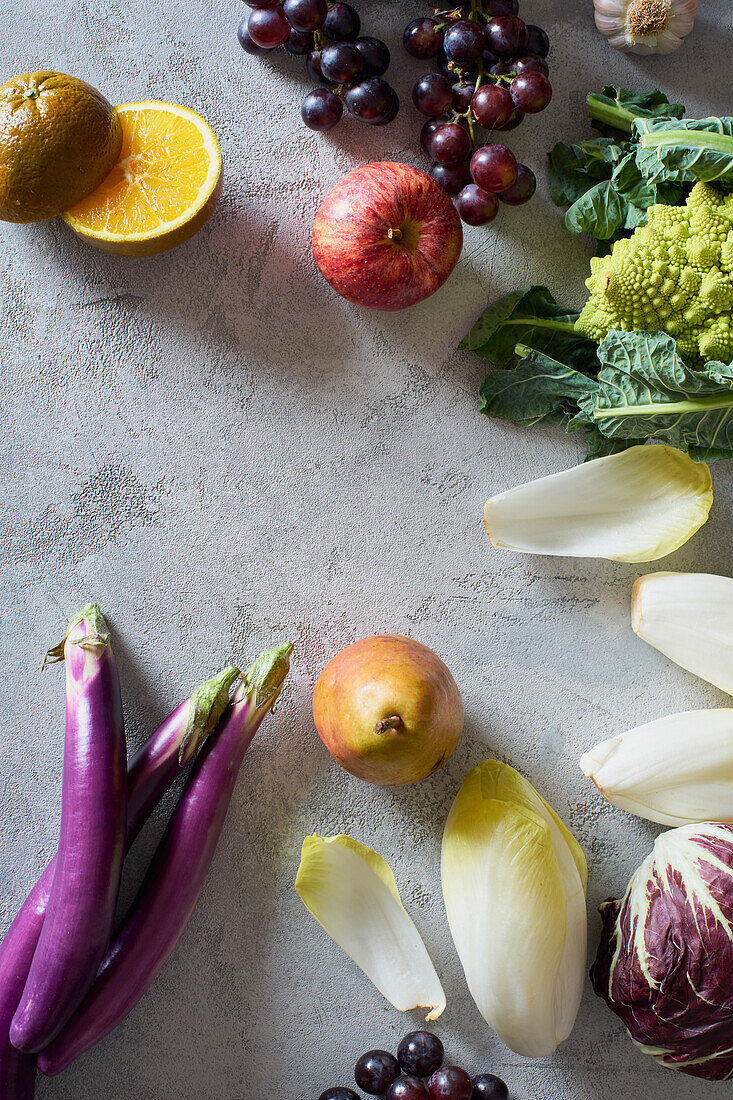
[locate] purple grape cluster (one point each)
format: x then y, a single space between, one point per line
491 71
417 1073
349 67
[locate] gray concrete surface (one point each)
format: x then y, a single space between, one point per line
222 453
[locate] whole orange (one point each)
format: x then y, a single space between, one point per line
59 137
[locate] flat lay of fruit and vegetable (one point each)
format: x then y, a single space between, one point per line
642 369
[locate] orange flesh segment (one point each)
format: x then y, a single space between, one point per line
163 165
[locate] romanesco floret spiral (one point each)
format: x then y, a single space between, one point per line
674 274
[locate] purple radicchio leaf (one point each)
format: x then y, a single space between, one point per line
665 960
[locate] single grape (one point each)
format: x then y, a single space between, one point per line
313 67
268 27
375 1071
407 1088
339 1093
452 178
502 68
514 121
299 43
246 42
464 41
531 92
375 55
476 207
341 62
432 94
321 109
261 3
530 63
422 39
391 113
305 15
493 167
488 59
522 189
506 35
342 23
421 1052
427 132
451 1082
370 100
492 106
539 41
488 1087
462 96
500 7
450 144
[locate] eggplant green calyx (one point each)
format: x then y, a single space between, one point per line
98 635
206 706
263 680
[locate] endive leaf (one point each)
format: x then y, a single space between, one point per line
351 892
689 618
638 505
676 771
513 883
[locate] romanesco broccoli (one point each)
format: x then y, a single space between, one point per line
674 274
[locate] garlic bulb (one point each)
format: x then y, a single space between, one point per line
645 26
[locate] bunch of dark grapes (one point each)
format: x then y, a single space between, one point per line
348 67
417 1073
492 71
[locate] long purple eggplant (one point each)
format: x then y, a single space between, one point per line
86 882
172 886
149 775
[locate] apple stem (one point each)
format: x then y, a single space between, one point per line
388 724
394 234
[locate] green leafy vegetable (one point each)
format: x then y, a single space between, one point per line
632 388
689 149
529 316
645 390
616 108
602 184
648 155
602 211
538 389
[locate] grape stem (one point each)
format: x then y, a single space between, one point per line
500 79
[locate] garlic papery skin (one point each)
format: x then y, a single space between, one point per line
645 26
677 770
689 618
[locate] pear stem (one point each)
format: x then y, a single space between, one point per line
388 724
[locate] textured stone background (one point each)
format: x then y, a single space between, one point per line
222 453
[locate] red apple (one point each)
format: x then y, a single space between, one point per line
387 236
388 710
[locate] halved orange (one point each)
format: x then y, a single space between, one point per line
162 189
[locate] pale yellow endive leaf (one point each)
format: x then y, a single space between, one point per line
689 618
635 506
677 770
514 890
351 892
